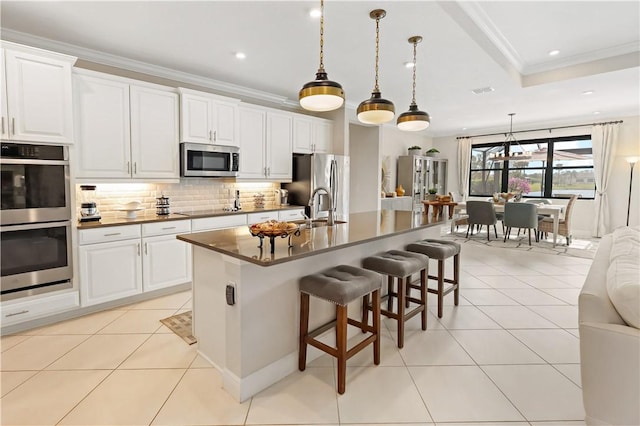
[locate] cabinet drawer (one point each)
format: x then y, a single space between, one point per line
285 215
219 222
261 217
15 312
106 234
166 228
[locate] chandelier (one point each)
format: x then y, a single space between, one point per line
509 142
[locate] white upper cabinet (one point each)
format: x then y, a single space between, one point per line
266 138
125 130
207 118
279 146
311 134
154 133
36 95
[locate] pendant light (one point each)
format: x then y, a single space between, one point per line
510 142
414 120
376 110
321 94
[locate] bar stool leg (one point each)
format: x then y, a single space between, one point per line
341 345
365 312
440 286
376 326
401 290
304 329
389 293
456 279
423 297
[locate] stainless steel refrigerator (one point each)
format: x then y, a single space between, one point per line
311 171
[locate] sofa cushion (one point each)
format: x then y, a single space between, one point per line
623 274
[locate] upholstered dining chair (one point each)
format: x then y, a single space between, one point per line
481 213
564 226
521 216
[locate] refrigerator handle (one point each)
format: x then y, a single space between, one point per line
333 182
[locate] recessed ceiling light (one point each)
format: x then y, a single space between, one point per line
596 112
240 55
315 13
483 90
464 128
588 92
554 52
408 64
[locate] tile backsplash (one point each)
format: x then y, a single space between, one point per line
189 194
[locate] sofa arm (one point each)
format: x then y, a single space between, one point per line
610 370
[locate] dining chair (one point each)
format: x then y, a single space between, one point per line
521 216
481 213
564 225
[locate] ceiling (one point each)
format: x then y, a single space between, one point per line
467 45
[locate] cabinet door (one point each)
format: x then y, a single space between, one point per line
302 135
102 127
166 262
154 133
39 98
195 118
110 271
322 136
224 123
252 133
279 146
4 115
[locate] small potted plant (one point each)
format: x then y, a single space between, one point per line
432 152
432 194
415 150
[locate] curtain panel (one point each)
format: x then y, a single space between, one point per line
605 139
464 166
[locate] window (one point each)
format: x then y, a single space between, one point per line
557 167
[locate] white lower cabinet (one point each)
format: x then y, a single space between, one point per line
261 217
20 310
166 261
121 261
287 215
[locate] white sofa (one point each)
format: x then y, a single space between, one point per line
609 345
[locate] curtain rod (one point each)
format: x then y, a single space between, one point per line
546 128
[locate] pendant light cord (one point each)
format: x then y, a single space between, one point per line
413 89
321 69
375 87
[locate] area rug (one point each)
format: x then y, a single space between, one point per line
579 247
181 325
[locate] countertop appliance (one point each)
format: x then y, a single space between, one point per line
35 223
88 207
311 171
163 207
282 197
204 160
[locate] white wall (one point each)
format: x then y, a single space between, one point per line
364 148
583 215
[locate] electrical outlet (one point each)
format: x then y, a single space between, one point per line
231 293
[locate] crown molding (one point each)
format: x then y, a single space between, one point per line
143 67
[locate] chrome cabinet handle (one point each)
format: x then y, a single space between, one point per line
112 234
138 248
268 171
146 251
25 311
135 168
170 227
3 125
13 126
215 135
210 135
128 167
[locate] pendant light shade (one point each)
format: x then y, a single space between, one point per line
414 120
321 94
376 109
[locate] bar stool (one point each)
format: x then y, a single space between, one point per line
340 285
441 250
400 265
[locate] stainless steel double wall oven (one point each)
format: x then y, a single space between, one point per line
35 219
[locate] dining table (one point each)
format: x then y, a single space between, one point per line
553 210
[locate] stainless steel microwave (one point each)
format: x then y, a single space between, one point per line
204 160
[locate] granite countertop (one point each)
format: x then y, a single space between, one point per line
184 214
360 228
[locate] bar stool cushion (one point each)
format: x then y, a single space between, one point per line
435 249
397 263
341 284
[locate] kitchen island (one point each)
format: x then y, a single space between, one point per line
252 337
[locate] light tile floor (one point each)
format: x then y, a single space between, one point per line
507 355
